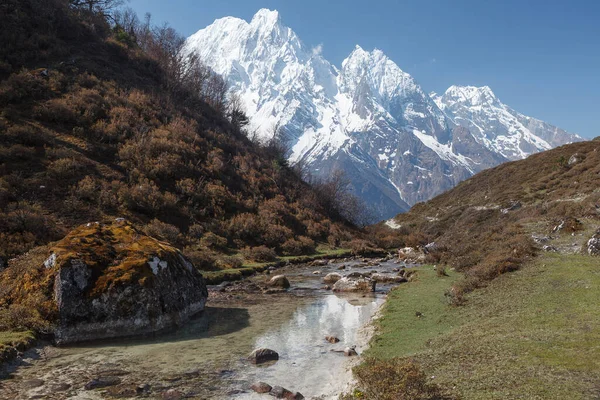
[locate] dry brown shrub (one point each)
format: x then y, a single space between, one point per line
395 379
297 247
259 254
203 258
164 231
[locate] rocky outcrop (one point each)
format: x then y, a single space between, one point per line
111 280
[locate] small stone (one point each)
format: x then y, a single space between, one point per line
143 388
102 382
172 394
350 351
279 281
332 277
341 267
332 339
316 272
32 383
262 355
60 387
261 387
282 393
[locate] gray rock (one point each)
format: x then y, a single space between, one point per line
263 355
171 291
32 383
279 281
282 393
385 278
575 159
354 285
172 394
332 277
102 382
350 351
332 339
593 245
356 275
261 387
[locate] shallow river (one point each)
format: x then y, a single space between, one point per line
206 358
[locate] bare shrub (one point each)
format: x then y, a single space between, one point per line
395 379
259 254
162 230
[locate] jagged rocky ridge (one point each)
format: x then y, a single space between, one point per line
398 145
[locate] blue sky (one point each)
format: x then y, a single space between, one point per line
540 57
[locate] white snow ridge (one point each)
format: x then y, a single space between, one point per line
367 117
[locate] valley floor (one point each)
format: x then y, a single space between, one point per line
531 334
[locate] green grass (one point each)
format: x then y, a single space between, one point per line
401 332
531 334
247 269
11 342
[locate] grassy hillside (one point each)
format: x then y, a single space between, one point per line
531 334
479 226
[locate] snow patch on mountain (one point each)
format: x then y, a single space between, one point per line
398 144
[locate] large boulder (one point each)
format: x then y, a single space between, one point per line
354 285
111 280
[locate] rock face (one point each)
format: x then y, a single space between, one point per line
354 285
112 280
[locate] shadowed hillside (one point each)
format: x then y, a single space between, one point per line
102 120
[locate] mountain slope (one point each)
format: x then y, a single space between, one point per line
495 221
497 126
368 117
94 127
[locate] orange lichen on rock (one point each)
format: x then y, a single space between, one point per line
117 253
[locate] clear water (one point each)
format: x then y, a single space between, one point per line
206 359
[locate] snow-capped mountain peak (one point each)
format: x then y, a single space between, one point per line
475 96
397 144
266 17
